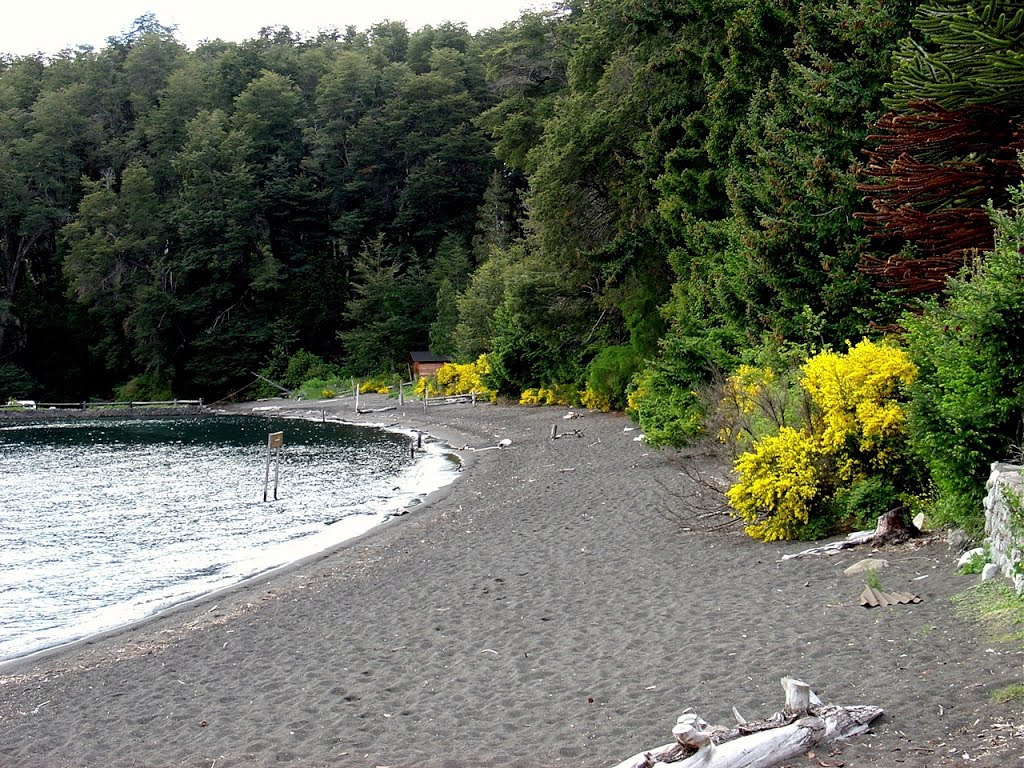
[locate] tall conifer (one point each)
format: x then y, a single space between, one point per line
949 143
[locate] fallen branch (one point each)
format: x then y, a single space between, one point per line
803 724
501 444
891 528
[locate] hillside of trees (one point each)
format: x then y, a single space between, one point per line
632 198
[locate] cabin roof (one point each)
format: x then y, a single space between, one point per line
427 357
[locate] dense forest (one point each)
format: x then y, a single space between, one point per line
640 200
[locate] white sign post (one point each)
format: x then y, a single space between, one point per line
275 442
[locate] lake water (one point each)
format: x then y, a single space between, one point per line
103 522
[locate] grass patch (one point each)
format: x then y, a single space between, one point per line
1014 692
995 606
872 579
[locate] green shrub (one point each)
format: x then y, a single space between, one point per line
967 404
145 387
866 500
303 366
666 400
609 375
975 564
321 389
668 413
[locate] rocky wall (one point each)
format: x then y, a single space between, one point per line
1004 521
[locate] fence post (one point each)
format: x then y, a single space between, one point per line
358 386
401 393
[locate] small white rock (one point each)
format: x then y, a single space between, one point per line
989 572
868 564
969 555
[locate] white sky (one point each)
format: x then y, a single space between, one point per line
33 26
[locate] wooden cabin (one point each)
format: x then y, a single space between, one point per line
423 364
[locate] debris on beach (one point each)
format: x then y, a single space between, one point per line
505 443
555 434
873 598
891 528
803 724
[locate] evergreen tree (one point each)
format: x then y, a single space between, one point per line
949 143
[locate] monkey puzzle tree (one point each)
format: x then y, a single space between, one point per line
950 142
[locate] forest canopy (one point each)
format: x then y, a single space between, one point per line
630 197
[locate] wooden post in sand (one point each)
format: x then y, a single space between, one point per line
275 441
401 393
358 387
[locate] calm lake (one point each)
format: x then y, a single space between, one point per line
103 522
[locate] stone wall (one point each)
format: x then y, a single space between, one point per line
1005 539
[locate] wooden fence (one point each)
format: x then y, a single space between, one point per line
88 405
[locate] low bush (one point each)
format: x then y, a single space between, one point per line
466 378
557 394
668 413
608 377
834 469
381 384
321 389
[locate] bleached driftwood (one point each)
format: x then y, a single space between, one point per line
890 528
851 540
803 724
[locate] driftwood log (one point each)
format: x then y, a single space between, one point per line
802 724
891 528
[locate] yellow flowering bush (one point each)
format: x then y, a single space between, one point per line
856 427
458 379
779 480
856 395
595 400
740 399
426 386
381 384
557 394
465 378
533 396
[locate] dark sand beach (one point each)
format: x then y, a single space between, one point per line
559 604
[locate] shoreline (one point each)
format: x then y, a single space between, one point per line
559 603
402 504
